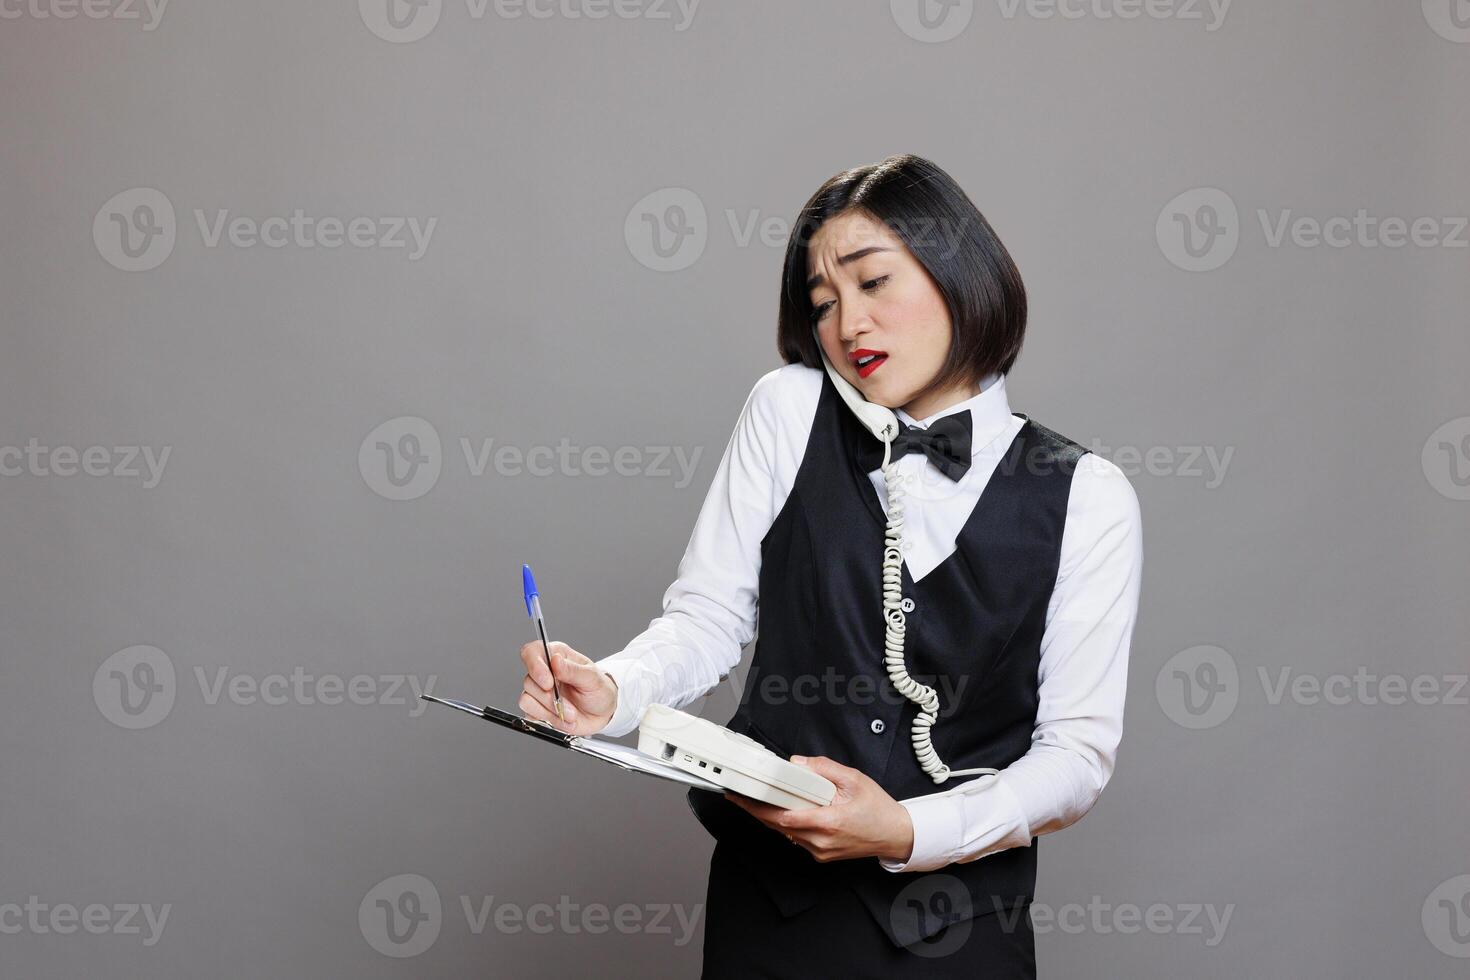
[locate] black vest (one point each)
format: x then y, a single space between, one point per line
817 685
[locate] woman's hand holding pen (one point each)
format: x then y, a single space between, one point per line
862 820
588 694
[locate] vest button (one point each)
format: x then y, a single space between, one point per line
907 605
877 726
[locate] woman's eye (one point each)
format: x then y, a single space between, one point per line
868 286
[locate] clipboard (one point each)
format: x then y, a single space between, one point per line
623 756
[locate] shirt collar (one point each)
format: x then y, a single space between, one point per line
990 413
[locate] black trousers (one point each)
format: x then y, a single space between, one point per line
746 937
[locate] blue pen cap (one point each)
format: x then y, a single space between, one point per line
528 585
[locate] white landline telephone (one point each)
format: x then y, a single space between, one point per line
729 759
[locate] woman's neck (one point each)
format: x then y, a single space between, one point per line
927 405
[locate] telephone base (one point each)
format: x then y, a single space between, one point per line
739 764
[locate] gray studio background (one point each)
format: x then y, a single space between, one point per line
1293 414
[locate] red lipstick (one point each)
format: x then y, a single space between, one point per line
866 360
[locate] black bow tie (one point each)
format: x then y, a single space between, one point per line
946 443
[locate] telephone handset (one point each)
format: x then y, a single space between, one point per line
884 426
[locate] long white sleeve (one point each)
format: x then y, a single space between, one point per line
1083 681
709 612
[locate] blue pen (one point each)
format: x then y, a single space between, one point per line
533 609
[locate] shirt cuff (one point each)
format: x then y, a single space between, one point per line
625 672
963 824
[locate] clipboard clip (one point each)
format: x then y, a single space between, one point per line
535 729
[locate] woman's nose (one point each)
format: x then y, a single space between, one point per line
852 323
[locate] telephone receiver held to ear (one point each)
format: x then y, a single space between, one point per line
875 418
883 424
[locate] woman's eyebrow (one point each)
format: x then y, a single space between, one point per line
818 279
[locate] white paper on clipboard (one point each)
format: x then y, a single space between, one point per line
623 756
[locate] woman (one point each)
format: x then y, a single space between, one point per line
1019 580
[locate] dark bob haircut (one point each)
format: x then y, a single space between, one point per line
949 236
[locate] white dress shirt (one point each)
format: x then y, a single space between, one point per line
709 612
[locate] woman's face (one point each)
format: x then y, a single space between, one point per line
870 296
